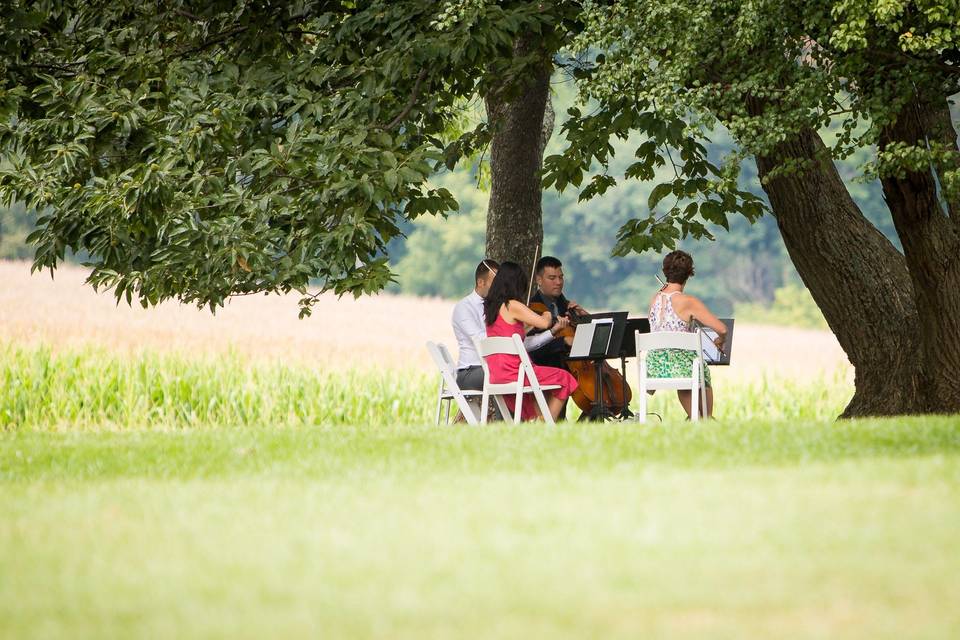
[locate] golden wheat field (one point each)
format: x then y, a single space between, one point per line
376 331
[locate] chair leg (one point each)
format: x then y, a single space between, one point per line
642 382
703 391
484 405
504 411
470 410
695 402
703 398
544 407
446 417
439 400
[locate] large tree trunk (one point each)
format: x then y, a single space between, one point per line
516 117
929 230
856 276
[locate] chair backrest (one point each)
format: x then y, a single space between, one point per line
668 340
512 346
447 358
497 345
444 361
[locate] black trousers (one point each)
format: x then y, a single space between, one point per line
471 378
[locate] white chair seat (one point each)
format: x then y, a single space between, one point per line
663 384
447 393
511 387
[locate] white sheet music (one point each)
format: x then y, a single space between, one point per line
584 343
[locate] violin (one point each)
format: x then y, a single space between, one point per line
616 394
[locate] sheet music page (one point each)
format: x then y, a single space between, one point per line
709 348
581 340
711 354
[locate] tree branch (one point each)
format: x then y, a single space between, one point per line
410 103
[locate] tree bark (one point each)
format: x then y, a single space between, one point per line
929 230
856 276
516 117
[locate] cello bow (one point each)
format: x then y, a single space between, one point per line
533 271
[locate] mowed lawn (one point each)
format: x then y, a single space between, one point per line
720 530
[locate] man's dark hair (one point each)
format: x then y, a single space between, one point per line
678 266
547 261
486 266
508 285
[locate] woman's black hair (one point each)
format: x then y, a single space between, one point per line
508 284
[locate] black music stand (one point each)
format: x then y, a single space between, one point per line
599 412
628 349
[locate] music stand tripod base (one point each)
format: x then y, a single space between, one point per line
599 412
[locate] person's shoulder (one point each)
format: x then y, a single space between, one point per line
687 301
467 302
685 298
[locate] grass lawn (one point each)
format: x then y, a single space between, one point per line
723 530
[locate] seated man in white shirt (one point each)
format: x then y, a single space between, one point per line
468 323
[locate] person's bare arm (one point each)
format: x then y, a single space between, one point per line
519 311
702 314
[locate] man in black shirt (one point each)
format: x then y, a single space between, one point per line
549 278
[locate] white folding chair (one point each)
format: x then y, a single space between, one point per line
647 342
511 346
449 390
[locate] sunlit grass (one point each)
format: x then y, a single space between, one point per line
714 530
90 388
159 496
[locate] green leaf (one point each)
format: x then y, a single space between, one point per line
658 193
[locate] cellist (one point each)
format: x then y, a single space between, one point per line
549 278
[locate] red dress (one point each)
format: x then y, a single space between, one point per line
506 368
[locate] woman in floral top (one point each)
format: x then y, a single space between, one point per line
673 310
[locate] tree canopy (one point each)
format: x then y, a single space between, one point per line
208 149
853 65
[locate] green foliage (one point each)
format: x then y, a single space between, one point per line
16 223
440 254
201 150
89 388
204 149
768 70
698 191
743 265
792 306
92 389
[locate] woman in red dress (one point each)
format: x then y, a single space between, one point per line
505 316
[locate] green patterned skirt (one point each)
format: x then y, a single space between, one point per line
673 363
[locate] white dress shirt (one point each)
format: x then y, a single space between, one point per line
468 322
